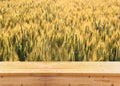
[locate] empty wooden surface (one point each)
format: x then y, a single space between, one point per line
59 74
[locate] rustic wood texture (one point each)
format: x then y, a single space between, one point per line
59 74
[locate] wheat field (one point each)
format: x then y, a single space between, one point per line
59 30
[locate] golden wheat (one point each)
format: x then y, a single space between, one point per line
53 30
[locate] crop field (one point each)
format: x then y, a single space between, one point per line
59 30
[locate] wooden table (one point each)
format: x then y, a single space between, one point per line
59 74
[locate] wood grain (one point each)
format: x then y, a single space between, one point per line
59 74
60 81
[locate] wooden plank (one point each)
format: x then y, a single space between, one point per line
60 81
59 74
60 68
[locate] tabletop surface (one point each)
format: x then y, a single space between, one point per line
60 68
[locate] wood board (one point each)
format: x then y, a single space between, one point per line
59 74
